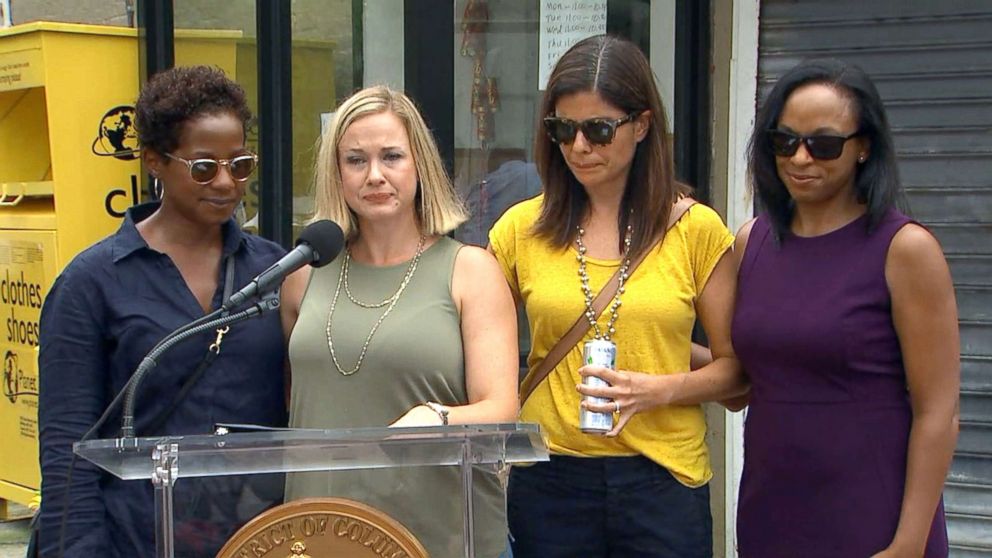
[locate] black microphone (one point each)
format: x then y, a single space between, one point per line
319 243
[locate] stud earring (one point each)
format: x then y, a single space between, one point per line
862 158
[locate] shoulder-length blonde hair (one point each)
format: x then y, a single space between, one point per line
439 211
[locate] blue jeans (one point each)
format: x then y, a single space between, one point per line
609 507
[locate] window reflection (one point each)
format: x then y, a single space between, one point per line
496 96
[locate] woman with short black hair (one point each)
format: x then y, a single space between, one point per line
170 263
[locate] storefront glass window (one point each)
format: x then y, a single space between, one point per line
323 75
222 34
496 103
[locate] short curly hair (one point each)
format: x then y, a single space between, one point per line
173 97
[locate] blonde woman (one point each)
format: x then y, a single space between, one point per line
407 327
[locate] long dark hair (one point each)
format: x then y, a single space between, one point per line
617 70
876 181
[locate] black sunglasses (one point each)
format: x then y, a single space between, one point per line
203 171
599 131
824 147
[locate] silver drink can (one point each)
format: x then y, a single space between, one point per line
601 353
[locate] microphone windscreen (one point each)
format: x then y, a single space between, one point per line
326 239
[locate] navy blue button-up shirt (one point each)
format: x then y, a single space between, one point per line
107 309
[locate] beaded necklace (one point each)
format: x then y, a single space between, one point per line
590 313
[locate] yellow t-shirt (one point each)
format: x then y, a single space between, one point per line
653 332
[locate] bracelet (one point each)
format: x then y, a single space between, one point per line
441 411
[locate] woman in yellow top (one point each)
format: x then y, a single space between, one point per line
606 167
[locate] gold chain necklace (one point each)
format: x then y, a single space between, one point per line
388 299
590 313
391 301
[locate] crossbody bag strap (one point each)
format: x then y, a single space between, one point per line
602 300
159 421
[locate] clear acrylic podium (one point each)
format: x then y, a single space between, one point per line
164 460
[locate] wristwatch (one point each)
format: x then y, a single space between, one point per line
441 411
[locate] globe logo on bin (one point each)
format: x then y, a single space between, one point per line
15 382
10 376
116 136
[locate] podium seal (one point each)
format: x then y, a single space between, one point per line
323 528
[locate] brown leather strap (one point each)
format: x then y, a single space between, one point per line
581 325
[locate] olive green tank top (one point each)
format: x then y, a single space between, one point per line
414 356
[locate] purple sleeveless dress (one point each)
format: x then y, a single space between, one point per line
827 429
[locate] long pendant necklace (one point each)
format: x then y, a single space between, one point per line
609 330
390 301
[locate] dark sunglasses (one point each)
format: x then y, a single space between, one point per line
203 171
599 131
824 147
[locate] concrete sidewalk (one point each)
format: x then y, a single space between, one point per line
14 533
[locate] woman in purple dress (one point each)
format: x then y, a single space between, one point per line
846 324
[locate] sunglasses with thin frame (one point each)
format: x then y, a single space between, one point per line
598 131
825 147
204 171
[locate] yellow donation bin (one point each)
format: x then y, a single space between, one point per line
69 170
67 174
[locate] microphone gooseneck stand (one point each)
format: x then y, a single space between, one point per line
164 546
268 302
319 243
165 453
103 420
